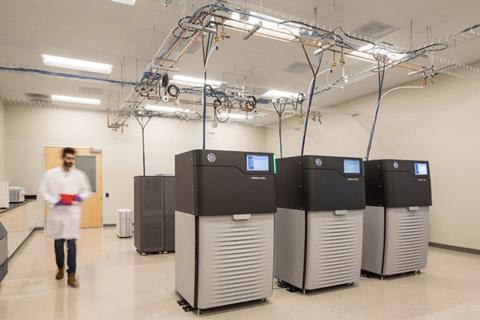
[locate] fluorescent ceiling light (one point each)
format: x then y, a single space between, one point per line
76 64
270 27
361 56
192 81
166 109
239 116
369 49
75 100
127 2
280 94
366 47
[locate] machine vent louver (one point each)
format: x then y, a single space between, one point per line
236 260
338 243
407 242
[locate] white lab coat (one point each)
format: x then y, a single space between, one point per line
63 222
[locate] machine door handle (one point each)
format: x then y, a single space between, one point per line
242 216
413 208
341 212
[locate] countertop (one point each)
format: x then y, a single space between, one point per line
28 199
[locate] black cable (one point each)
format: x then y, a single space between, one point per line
280 108
280 134
65 75
204 93
226 105
310 94
173 91
206 51
434 47
381 76
471 28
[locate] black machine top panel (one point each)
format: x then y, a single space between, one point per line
331 183
247 162
211 182
398 183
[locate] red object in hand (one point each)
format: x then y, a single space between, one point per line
67 198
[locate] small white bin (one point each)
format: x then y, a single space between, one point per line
124 223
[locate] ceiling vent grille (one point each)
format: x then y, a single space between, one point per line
38 97
91 91
297 68
375 29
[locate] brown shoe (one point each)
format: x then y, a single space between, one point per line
72 281
60 273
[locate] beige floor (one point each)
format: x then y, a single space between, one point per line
117 284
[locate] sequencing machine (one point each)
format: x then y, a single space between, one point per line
224 224
318 225
154 206
396 221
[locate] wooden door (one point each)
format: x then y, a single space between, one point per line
91 164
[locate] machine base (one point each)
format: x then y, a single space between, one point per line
368 274
189 308
291 288
153 252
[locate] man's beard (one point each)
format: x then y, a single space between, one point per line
67 164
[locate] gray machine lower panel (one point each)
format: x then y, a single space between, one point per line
235 261
334 247
185 255
406 240
3 249
289 245
3 270
3 252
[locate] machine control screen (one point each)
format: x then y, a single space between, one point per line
421 169
257 162
351 166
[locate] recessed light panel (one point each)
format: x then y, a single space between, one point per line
127 2
75 100
76 64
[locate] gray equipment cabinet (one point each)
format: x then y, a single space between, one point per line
3 252
396 220
225 205
154 213
318 225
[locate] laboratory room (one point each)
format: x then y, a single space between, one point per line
239 159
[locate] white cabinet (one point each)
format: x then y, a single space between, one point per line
19 224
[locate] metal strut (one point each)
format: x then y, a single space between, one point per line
279 107
143 123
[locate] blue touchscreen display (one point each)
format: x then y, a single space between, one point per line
257 162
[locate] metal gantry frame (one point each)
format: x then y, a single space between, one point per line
211 19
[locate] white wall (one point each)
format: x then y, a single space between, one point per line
439 123
30 129
2 141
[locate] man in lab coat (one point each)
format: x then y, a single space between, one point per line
64 188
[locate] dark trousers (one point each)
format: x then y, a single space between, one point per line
71 254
